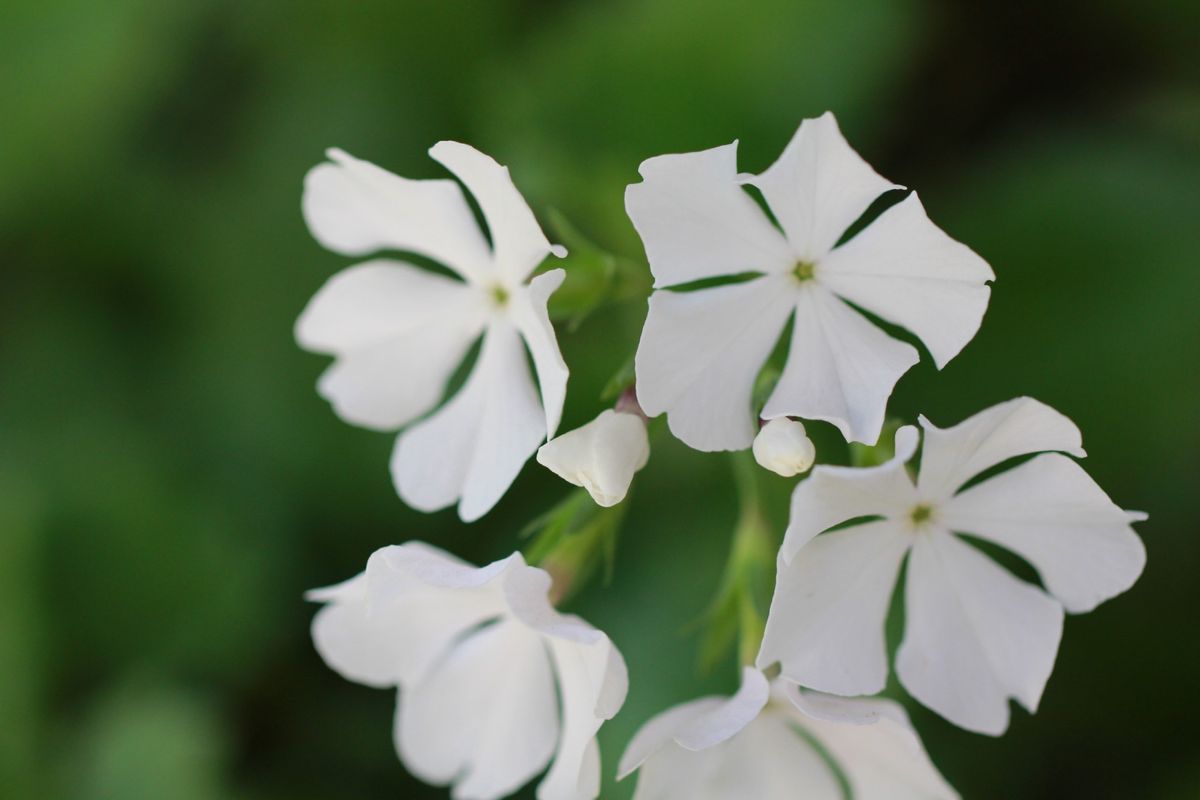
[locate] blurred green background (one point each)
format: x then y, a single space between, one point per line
170 483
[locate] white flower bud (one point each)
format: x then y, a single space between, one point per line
601 456
782 447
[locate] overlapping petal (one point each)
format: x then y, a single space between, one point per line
698 724
974 635
875 746
485 718
471 449
767 759
397 332
696 221
700 354
826 624
494 681
818 187
593 682
388 625
759 744
592 679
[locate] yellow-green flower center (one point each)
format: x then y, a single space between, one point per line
921 514
804 271
499 296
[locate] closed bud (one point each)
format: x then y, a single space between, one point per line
602 456
783 447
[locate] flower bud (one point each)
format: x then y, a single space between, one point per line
601 456
782 447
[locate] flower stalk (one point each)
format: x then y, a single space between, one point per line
572 539
736 618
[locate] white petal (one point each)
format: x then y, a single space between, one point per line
518 244
856 711
673 773
696 221
840 367
473 447
908 271
700 354
833 495
389 624
767 760
379 301
974 635
592 682
699 724
398 333
485 718
659 731
880 754
350 642
354 207
1050 512
602 456
819 186
728 719
528 312
393 570
826 624
952 456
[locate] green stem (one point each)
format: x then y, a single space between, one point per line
752 557
575 537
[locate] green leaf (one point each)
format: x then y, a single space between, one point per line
23 668
589 269
573 538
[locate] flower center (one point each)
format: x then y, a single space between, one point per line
804 271
499 296
921 515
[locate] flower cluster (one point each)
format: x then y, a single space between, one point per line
495 685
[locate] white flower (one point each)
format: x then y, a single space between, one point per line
783 447
601 456
701 350
975 634
494 683
755 745
398 332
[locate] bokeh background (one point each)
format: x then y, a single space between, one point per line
170 483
